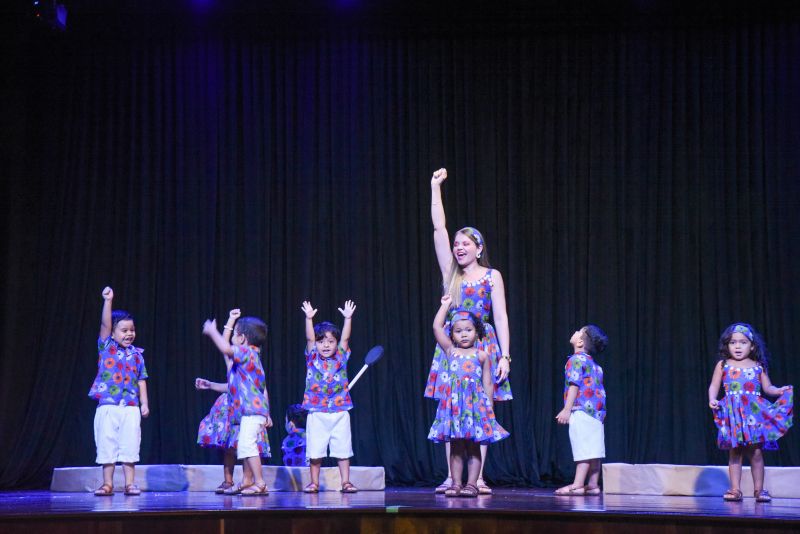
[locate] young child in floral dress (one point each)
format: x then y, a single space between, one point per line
294 444
120 389
248 391
746 421
327 397
465 417
220 428
585 410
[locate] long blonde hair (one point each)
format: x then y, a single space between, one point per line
452 283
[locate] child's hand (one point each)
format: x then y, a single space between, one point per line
268 424
308 309
349 309
210 326
234 314
202 383
446 299
145 410
783 389
713 404
563 417
439 177
108 293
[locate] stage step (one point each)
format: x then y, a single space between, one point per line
178 477
693 480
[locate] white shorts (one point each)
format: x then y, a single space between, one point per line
587 437
249 429
117 433
323 429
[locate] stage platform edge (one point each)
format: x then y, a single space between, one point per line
693 480
179 477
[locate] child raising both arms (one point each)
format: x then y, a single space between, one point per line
220 428
248 394
585 410
121 393
327 397
465 417
746 421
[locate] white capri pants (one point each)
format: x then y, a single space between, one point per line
323 429
249 429
117 433
587 437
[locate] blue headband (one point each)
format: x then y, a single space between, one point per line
475 234
461 315
742 329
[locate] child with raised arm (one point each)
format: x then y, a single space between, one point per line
220 428
746 421
585 410
248 392
327 397
465 417
120 389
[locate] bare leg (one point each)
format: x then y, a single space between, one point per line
447 454
314 467
247 474
735 468
228 463
474 463
129 470
457 461
756 466
108 474
254 466
344 469
594 473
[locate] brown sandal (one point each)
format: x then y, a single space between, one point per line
311 488
762 496
132 489
470 490
233 490
732 495
348 487
483 489
255 489
222 487
452 491
571 490
104 491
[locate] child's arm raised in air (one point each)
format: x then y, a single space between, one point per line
202 383
563 416
441 240
347 327
310 312
227 332
769 389
105 316
438 326
210 329
713 388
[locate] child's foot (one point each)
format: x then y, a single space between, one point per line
348 487
441 488
311 488
233 490
132 489
222 487
470 490
592 490
732 495
571 490
255 488
762 496
483 489
106 490
453 491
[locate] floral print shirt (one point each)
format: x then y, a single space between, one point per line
582 371
326 382
119 371
247 384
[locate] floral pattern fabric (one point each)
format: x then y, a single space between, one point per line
294 446
744 417
220 428
477 298
582 371
247 384
119 371
465 411
326 382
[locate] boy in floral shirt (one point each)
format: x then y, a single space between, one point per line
327 397
121 393
585 410
247 388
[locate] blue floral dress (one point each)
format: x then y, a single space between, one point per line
744 417
465 411
220 428
477 298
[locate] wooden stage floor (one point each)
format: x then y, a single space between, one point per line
394 510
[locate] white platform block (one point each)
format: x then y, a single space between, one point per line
694 480
177 477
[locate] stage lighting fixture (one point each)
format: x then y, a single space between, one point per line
52 13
